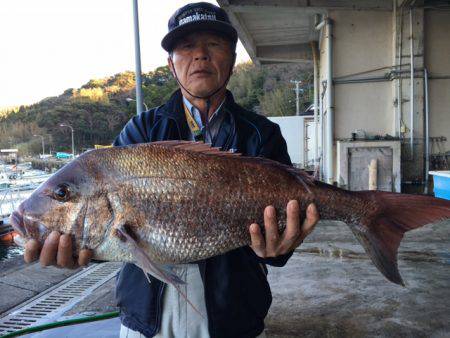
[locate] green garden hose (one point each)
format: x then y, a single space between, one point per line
62 323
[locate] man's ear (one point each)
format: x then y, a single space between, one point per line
170 64
233 63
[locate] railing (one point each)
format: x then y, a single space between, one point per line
11 197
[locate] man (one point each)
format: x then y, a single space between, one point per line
230 291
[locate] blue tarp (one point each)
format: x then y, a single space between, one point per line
63 155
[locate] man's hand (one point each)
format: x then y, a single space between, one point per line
273 244
57 250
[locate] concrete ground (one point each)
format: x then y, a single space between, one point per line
19 281
330 288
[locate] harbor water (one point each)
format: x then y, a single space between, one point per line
9 250
16 184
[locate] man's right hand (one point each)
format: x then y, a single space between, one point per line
57 250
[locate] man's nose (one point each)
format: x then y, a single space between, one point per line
201 53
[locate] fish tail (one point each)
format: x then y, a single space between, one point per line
381 232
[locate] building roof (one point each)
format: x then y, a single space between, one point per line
280 31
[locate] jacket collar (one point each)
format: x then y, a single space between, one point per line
174 106
226 136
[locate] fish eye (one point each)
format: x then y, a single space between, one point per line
61 193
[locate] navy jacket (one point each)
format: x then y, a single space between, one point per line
237 293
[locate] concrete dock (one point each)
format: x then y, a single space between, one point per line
329 288
19 281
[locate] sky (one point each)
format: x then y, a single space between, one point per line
48 46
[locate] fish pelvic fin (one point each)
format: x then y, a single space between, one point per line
381 233
164 273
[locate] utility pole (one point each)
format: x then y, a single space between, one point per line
73 142
297 96
42 139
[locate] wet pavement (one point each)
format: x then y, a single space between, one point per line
332 289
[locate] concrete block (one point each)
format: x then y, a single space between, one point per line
10 296
36 278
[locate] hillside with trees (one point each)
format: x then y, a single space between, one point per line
99 109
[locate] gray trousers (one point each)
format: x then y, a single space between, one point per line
179 319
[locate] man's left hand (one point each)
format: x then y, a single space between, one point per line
274 244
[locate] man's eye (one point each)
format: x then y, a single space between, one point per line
187 45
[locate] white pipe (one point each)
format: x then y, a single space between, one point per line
411 99
399 80
327 147
322 141
320 25
316 104
137 54
330 105
373 185
427 130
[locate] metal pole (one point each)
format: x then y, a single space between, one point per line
427 131
297 96
73 144
330 104
42 140
322 135
328 133
137 52
411 99
316 103
399 81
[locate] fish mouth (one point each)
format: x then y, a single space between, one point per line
27 226
16 221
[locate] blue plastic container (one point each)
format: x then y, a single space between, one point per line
441 181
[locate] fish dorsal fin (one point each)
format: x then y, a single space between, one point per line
198 147
301 176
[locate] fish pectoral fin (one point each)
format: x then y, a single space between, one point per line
162 272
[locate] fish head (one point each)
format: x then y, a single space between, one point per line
72 201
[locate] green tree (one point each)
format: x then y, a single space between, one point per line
98 110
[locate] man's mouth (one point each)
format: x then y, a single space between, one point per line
201 72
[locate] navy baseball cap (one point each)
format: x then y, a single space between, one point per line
198 16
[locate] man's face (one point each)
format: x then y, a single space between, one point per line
202 61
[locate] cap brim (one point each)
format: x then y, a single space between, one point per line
222 27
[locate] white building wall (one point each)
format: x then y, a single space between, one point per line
362 42
437 61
